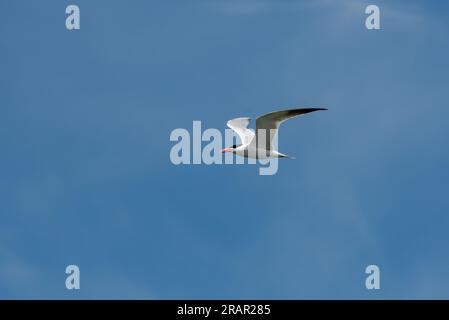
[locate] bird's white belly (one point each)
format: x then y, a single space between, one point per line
258 153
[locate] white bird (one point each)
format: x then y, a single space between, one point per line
261 147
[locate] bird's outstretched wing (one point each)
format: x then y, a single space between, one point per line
240 126
269 123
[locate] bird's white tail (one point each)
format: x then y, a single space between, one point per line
281 155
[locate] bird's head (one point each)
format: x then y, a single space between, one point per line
230 149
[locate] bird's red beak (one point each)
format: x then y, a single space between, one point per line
226 150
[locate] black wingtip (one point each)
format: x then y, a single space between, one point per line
307 110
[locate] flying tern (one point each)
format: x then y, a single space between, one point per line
260 145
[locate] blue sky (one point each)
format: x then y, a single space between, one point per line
86 178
